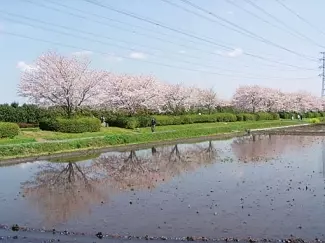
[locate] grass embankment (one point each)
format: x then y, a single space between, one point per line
36 142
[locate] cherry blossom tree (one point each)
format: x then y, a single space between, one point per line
57 80
208 99
274 99
256 98
176 97
131 93
70 82
250 98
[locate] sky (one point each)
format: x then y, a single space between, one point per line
215 44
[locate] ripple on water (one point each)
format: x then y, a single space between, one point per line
260 186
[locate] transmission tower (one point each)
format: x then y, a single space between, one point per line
323 73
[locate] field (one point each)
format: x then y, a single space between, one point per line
33 142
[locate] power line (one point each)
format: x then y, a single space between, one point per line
125 57
262 19
147 20
229 27
283 23
122 47
255 36
202 16
132 15
88 33
115 20
118 27
98 41
164 40
300 17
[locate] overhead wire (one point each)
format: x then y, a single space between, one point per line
147 20
300 17
117 21
254 36
114 44
130 58
233 3
164 40
228 48
132 49
283 23
98 35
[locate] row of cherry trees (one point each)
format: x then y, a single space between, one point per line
70 82
256 98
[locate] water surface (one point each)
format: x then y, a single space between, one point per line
261 186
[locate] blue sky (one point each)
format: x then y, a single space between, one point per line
133 46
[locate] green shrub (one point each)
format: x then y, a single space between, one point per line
8 130
249 117
260 116
144 121
195 118
186 119
226 117
132 123
163 120
286 115
240 117
75 125
125 122
275 116
317 114
314 120
309 115
48 125
27 125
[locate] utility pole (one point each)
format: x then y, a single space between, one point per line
322 67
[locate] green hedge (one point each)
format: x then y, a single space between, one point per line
75 125
8 130
263 116
288 115
164 120
32 114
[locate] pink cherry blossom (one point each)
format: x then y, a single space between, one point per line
63 81
70 82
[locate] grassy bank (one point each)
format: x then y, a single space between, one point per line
51 142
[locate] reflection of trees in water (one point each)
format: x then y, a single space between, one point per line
261 147
62 191
147 170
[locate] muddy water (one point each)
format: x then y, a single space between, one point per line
261 186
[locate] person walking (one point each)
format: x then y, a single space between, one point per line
153 125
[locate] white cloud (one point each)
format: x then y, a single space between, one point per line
230 12
82 53
138 55
114 58
235 53
23 66
182 52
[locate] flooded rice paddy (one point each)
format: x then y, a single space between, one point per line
263 186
